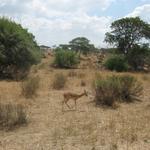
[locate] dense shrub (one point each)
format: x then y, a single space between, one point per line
18 49
12 115
113 51
138 56
116 88
66 59
30 87
116 63
59 81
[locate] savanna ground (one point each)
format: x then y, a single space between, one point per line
88 128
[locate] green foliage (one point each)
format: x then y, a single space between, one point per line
117 63
82 44
113 51
18 48
66 58
114 88
12 115
138 56
30 86
59 81
64 47
126 32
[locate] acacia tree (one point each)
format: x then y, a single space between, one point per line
127 32
81 44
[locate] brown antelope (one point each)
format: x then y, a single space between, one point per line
68 96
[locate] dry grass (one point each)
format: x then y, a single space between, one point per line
59 81
88 128
12 115
83 83
72 74
109 90
81 75
146 77
77 74
30 86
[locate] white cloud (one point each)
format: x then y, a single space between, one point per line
58 21
142 11
55 31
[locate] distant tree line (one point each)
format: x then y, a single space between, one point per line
80 45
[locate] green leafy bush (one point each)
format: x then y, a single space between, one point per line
66 59
59 81
139 56
30 86
12 115
116 88
117 63
18 49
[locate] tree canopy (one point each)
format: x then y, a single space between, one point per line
18 48
81 44
127 32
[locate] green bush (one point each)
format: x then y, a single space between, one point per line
30 86
12 115
66 59
18 49
139 56
117 63
59 81
114 88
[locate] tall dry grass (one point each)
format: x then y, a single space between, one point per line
59 81
12 115
115 88
30 86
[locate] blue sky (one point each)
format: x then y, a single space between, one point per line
121 8
58 21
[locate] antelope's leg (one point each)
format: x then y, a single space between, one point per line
67 105
62 105
75 104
